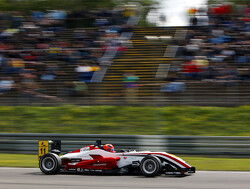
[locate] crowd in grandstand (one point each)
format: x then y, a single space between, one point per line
38 49
219 51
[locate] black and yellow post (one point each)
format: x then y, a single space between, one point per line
43 148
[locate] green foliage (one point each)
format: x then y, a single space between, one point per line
183 120
142 2
236 2
27 6
30 5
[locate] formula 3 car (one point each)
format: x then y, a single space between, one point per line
99 158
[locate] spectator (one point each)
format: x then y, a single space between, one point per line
172 84
6 85
38 41
190 70
131 86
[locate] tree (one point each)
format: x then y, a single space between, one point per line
29 5
236 2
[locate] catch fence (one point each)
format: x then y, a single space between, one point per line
185 145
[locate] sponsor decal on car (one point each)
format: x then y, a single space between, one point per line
100 164
173 173
84 149
135 164
88 170
129 158
82 170
97 170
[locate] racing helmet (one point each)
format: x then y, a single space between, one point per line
109 147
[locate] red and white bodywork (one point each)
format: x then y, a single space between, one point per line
94 159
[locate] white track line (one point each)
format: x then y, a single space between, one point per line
26 168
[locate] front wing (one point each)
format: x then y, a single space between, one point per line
183 171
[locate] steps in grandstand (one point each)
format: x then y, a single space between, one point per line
142 59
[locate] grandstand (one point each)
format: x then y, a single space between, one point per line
143 59
87 65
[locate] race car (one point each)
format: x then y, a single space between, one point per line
98 158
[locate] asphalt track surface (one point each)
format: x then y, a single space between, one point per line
25 178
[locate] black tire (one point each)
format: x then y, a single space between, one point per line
150 166
50 164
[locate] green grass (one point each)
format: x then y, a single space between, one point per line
201 163
219 164
146 120
18 160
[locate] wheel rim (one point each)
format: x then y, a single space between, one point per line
149 166
48 164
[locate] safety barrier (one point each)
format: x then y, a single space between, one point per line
187 145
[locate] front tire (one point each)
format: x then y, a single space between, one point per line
50 164
150 166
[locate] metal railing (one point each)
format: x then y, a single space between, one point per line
184 145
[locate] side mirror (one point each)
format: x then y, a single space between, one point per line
98 143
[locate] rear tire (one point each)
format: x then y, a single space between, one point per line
150 166
50 164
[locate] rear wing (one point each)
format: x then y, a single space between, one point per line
44 147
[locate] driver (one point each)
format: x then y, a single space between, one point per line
109 148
